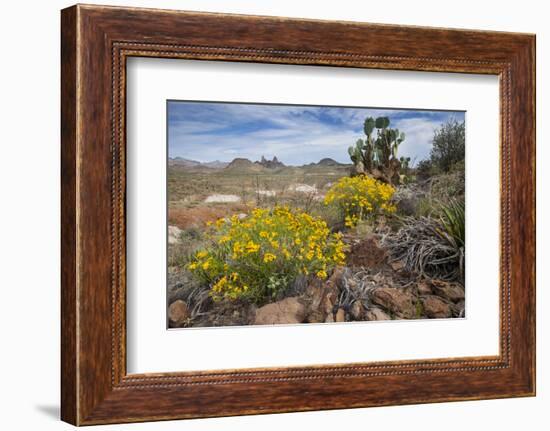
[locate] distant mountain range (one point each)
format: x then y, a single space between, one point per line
188 163
246 164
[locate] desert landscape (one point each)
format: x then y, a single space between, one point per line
378 236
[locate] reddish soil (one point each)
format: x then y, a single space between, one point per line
185 218
367 253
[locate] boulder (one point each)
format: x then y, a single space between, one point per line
436 308
174 234
357 310
424 288
452 291
315 294
320 297
226 313
287 311
337 275
329 301
375 313
178 313
177 291
398 301
180 284
315 317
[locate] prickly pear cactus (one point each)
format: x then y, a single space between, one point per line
378 156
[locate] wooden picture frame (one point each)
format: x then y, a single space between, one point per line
95 43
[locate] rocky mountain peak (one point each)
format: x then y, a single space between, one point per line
270 164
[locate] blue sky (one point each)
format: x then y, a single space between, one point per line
297 135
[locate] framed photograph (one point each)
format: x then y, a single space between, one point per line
264 215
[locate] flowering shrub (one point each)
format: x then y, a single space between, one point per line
259 256
360 197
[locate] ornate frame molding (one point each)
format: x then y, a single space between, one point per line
96 41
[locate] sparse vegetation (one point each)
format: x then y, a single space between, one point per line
189 241
420 245
432 247
325 236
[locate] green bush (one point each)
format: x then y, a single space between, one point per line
427 207
426 169
454 223
448 145
446 187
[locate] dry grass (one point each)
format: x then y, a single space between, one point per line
424 251
191 187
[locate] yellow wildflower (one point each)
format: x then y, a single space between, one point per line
359 197
252 247
239 262
224 239
268 257
322 274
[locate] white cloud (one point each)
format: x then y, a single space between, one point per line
295 134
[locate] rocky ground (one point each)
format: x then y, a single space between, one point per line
372 286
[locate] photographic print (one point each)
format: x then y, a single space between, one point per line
296 214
